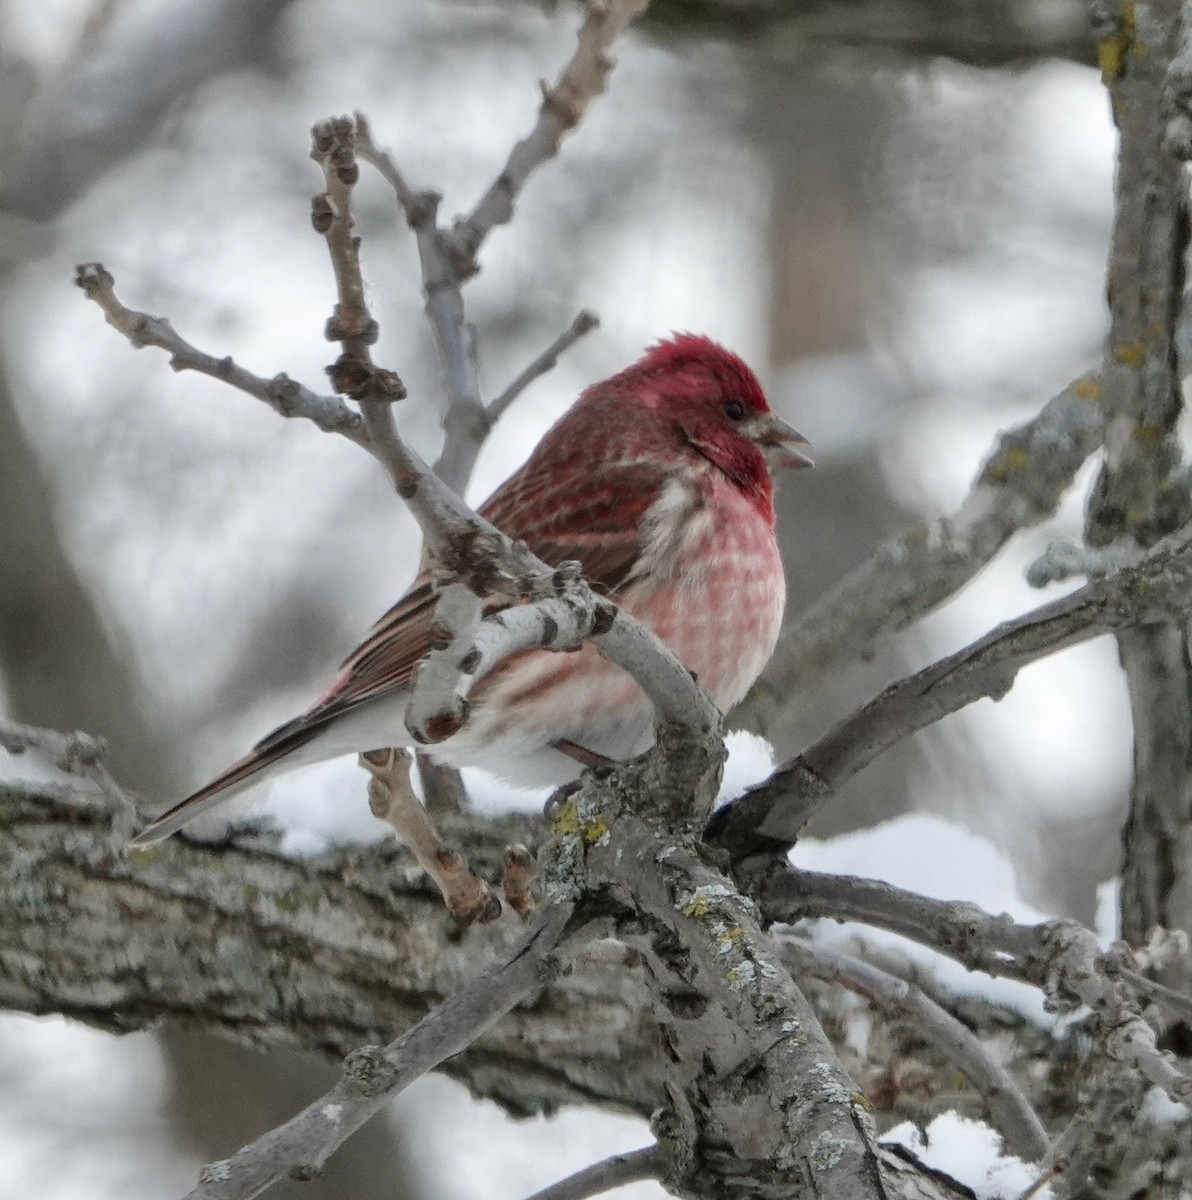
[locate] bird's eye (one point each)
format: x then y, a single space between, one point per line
734 410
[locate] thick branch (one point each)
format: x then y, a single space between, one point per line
1139 496
756 1091
323 955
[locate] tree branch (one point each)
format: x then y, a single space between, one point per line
1061 957
563 108
77 754
1011 1111
614 1172
281 393
584 323
770 816
448 257
373 1075
1019 486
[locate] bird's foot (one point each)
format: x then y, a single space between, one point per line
581 754
517 875
391 798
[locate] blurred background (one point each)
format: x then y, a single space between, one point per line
902 226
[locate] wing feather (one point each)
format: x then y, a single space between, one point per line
595 518
597 523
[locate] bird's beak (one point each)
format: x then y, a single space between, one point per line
781 444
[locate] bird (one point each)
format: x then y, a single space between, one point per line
659 482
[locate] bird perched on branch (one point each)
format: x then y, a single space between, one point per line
658 482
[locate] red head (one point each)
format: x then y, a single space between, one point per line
715 403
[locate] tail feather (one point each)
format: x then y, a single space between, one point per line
252 769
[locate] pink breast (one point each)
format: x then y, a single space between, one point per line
718 606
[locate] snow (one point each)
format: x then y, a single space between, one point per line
971 1152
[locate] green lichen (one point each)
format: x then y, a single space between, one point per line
730 940
1088 387
1112 50
1012 460
570 821
704 899
1130 354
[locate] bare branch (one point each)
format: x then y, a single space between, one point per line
1061 957
465 424
353 938
448 258
391 799
563 108
727 1008
771 815
1139 496
1011 1110
281 393
301 1146
1020 485
460 539
614 1172
584 323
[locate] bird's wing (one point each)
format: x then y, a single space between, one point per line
594 518
596 521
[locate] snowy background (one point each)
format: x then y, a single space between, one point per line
910 255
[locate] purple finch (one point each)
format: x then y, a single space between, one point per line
658 481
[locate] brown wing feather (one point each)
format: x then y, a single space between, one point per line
595 521
600 528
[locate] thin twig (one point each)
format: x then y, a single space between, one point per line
465 424
583 324
286 397
563 108
614 1172
1011 1110
448 257
301 1146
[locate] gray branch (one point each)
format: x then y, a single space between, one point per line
1139 496
1011 1111
1061 957
563 107
448 258
584 323
373 1075
770 816
1019 486
323 954
614 1172
281 393
756 1091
